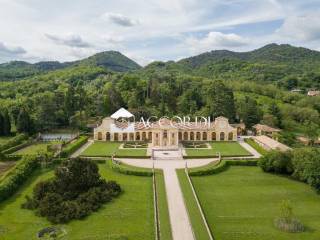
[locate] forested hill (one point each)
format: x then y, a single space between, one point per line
110 60
285 65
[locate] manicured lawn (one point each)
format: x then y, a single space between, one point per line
197 223
165 227
242 202
131 152
130 216
98 149
225 148
101 149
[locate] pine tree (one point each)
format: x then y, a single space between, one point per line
6 123
24 122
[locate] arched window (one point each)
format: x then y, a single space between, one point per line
204 136
180 136
138 136
230 136
222 137
116 137
213 136
144 136
185 136
124 136
191 136
108 136
173 139
150 136
198 136
99 136
131 136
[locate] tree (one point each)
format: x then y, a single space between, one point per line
6 123
24 122
220 100
311 130
249 111
70 104
1 124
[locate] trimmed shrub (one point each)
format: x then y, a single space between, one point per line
222 166
17 176
13 142
18 147
72 147
125 169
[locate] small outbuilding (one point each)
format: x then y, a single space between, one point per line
261 129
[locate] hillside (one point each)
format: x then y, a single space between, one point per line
110 60
271 63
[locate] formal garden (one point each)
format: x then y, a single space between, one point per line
226 149
107 149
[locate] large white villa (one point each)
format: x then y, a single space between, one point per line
163 133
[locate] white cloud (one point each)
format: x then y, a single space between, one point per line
304 28
153 29
120 19
11 50
215 40
8 53
71 40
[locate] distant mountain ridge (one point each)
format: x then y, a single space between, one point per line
271 63
111 60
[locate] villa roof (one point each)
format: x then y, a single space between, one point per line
265 128
121 113
271 143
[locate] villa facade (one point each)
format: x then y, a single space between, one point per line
165 133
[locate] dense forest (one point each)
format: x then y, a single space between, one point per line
251 87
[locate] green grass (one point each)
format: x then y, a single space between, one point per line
165 227
131 152
101 149
225 148
256 146
242 202
197 223
98 149
130 216
4 139
34 148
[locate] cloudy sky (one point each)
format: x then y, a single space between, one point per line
65 30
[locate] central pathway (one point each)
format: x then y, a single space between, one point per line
180 223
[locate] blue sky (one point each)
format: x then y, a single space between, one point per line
66 30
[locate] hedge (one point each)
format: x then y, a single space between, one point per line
72 147
128 170
222 166
13 142
17 147
15 178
